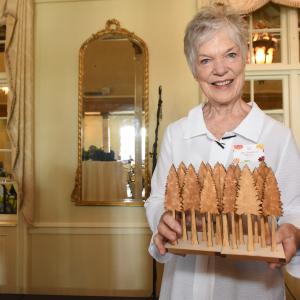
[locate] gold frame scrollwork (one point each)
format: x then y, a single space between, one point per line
112 27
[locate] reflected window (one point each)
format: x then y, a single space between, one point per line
127 143
267 94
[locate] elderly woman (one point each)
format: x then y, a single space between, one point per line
215 46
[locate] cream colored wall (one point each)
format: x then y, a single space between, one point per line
95 250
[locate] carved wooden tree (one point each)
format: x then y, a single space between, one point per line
209 203
201 176
237 172
263 170
202 173
209 168
272 205
228 203
181 171
191 198
259 183
247 202
173 200
219 174
172 196
238 219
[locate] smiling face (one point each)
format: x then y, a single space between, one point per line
220 69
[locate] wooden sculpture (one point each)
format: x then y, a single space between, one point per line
219 174
216 191
181 171
191 198
201 175
228 204
247 202
271 203
209 204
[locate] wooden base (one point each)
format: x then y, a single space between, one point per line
262 254
186 247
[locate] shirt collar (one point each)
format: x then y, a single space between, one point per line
195 123
250 128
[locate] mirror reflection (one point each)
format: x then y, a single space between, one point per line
113 118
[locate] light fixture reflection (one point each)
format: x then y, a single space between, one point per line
4 89
264 50
264 45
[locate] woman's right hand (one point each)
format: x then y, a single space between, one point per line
169 229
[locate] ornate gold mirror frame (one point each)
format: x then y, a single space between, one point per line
136 170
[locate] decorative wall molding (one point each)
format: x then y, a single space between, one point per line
90 228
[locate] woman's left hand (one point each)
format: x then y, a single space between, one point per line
289 236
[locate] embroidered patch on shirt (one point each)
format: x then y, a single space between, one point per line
248 154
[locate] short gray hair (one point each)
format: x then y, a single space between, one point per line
208 21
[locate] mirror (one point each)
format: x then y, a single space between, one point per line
112 119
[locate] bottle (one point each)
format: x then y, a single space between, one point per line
2 199
11 200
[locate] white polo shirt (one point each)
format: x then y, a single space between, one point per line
207 277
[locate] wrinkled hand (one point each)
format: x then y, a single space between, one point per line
289 236
169 230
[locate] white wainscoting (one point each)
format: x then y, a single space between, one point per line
8 259
90 259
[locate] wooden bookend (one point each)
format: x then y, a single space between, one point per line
191 198
271 204
247 202
181 171
209 204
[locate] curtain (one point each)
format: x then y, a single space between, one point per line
248 6
17 15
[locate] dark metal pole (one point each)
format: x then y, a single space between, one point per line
158 117
154 161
